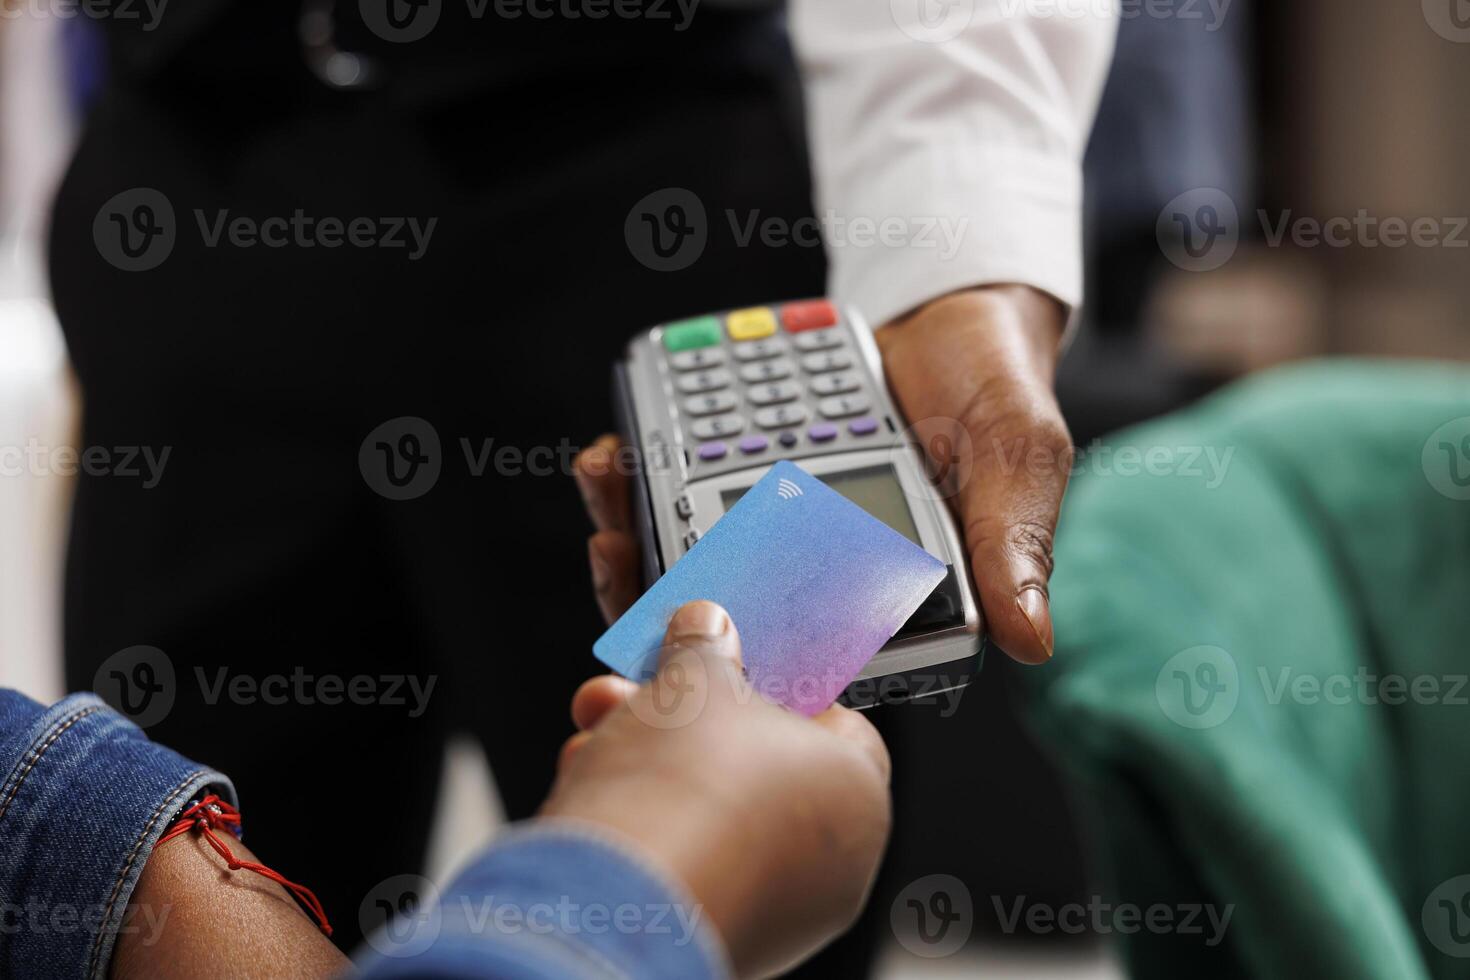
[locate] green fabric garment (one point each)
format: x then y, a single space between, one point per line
1194 614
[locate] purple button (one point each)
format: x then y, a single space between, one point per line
787 439
822 432
713 450
863 427
753 444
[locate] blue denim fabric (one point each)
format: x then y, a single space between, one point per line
85 797
550 901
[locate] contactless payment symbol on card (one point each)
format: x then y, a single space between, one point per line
814 584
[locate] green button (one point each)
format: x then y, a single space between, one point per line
702 331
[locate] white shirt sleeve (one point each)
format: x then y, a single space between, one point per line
947 140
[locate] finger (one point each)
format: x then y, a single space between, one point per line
1022 458
570 748
852 727
702 626
604 484
596 697
704 632
985 358
613 557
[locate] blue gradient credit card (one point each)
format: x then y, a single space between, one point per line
814 584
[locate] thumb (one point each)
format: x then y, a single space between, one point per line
701 639
1010 507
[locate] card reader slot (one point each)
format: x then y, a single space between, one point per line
942 610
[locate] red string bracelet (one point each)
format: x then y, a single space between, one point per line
212 812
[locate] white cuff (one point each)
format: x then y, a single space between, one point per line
968 219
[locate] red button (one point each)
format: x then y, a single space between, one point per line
811 315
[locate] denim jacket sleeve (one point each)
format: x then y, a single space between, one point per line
85 797
549 900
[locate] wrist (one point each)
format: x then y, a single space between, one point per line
699 849
190 916
1026 319
971 350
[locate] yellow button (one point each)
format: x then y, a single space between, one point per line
751 324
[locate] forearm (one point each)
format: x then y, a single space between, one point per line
190 917
965 138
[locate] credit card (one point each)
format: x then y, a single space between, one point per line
814 584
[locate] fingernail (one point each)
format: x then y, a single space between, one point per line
1032 602
601 574
699 621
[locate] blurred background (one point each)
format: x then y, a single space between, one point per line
1221 124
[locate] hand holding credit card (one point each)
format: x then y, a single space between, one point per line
814 584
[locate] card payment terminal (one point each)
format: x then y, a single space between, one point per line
711 402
